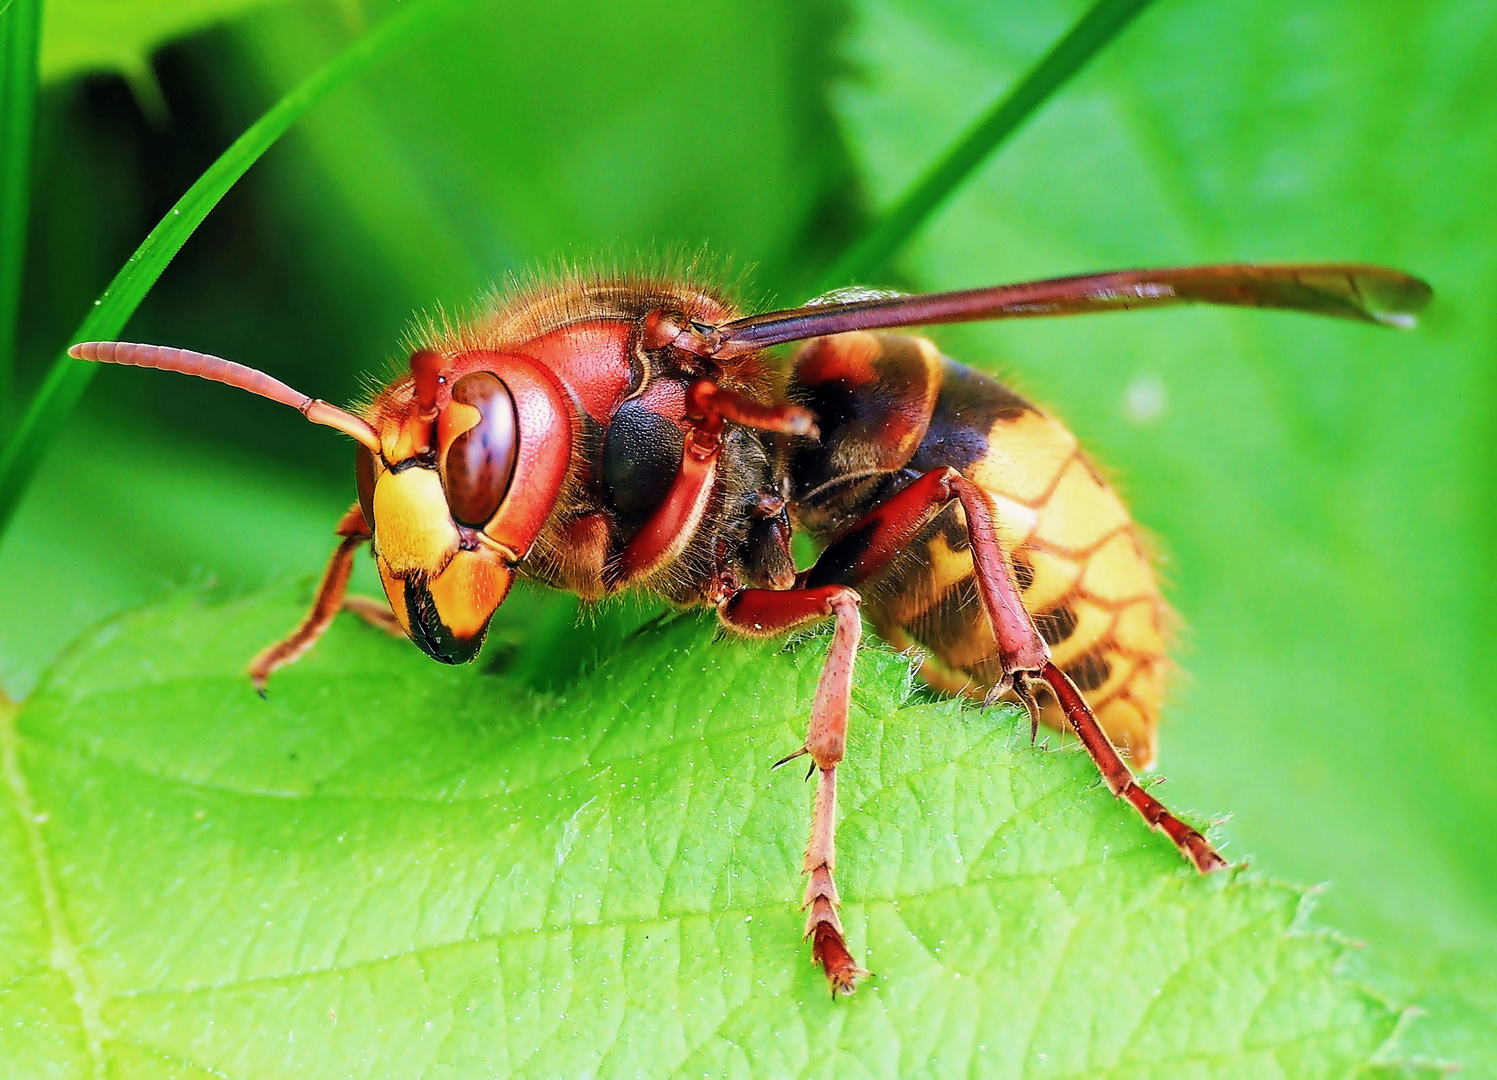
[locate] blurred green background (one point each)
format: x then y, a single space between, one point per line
1322 493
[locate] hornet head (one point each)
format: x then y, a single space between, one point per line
459 466
472 452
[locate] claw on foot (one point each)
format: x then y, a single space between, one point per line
1024 691
830 951
824 928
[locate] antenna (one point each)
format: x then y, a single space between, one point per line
217 369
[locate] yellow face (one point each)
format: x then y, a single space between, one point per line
444 591
444 576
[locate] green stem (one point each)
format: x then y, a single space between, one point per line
20 29
69 378
1096 28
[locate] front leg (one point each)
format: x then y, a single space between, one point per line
330 600
768 613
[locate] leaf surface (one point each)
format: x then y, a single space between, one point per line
1322 493
395 868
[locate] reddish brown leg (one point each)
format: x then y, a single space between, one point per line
765 613
330 599
868 547
705 399
1192 844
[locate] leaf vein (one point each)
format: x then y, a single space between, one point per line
64 957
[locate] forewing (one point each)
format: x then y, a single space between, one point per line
1349 291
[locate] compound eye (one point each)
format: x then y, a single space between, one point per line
478 466
364 474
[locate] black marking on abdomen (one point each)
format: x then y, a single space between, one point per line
1090 671
1023 570
1055 625
855 446
966 409
867 416
952 620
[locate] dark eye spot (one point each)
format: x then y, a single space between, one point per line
480 463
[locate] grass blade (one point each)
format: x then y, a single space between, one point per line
1070 54
68 378
20 31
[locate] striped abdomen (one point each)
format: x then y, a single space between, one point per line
891 408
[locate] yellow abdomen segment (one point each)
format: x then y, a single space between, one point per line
1086 577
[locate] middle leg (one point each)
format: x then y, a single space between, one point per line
770 613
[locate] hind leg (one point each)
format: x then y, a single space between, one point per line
870 545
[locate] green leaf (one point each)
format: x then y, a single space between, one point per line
173 508
68 379
1323 494
81 36
399 869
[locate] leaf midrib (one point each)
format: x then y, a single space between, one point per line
62 956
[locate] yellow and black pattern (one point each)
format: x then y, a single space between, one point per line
1084 571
